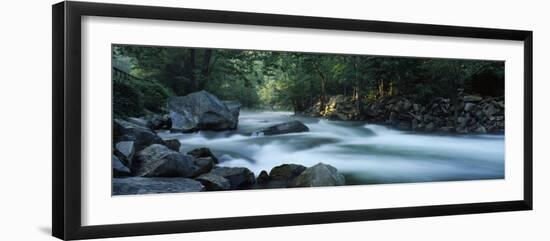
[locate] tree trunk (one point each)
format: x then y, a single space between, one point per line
322 96
357 94
191 70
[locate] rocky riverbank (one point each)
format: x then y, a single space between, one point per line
145 163
467 114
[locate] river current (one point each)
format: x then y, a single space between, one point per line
363 152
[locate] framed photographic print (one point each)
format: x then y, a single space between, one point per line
170 120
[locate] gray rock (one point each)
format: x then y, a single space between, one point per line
159 161
480 130
158 121
319 175
490 110
416 107
144 185
173 144
462 121
281 176
200 111
141 136
125 151
263 178
404 125
119 169
469 106
214 182
430 127
224 158
202 165
203 152
239 177
234 107
138 121
283 128
286 172
472 98
461 130
446 129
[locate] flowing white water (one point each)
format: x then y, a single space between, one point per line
365 153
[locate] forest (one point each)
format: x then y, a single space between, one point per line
290 80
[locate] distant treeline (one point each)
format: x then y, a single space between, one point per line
289 80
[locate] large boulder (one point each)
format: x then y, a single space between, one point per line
159 161
234 107
263 178
203 152
200 111
239 177
140 135
286 172
320 175
146 185
280 176
119 169
283 128
214 182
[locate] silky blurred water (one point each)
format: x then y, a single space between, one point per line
365 153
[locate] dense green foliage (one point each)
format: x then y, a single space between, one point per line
126 99
294 81
131 95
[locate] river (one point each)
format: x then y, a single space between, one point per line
363 152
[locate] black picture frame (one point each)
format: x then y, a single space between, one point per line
66 159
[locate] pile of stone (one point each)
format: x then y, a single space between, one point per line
150 165
481 115
143 162
467 114
338 107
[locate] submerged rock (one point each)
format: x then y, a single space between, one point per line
319 175
283 128
201 111
239 177
144 185
214 182
159 161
